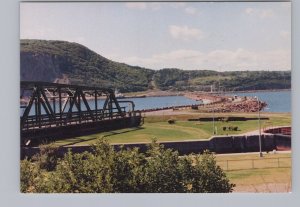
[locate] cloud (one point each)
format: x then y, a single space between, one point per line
191 10
185 33
180 55
155 6
267 13
142 5
178 5
262 13
222 60
286 5
285 34
37 33
136 5
249 11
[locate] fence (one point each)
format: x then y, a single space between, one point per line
262 163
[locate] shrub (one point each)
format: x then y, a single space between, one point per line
171 121
47 158
106 170
28 174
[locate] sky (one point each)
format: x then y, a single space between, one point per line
222 36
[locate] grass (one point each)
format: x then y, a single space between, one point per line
209 79
160 130
261 180
158 127
253 161
267 177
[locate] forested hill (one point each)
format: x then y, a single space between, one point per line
60 61
225 81
66 62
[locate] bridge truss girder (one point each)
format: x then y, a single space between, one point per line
55 104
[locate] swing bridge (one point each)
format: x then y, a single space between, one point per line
52 111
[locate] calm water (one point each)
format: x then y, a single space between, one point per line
279 101
140 103
159 102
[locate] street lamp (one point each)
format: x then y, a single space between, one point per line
259 127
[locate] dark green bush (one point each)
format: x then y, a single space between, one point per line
106 170
171 121
47 158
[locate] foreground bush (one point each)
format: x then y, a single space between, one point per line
106 170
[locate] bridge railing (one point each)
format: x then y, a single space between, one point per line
64 119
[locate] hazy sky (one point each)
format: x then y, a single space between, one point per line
200 35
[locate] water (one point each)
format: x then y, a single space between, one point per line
160 102
140 103
278 101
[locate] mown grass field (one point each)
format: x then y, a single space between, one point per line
266 177
158 127
253 161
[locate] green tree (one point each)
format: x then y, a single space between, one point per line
106 170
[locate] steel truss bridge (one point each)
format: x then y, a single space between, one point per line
56 111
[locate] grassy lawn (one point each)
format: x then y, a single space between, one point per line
253 161
158 127
261 180
266 177
160 130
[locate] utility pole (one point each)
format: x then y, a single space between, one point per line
259 127
213 119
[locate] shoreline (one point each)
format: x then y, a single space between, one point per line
183 93
255 91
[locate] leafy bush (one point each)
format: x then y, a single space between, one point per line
171 121
106 170
47 158
29 172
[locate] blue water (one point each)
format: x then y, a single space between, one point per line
278 101
140 103
159 102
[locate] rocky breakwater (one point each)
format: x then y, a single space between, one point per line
210 98
223 104
251 105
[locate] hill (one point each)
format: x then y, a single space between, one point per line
226 81
60 61
66 62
